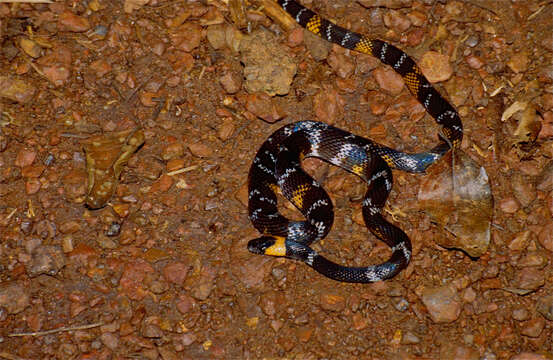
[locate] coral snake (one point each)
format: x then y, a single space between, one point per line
277 166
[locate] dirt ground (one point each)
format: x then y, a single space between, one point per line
162 270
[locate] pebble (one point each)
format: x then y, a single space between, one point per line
46 260
111 341
71 22
521 314
30 47
185 303
231 82
175 272
262 106
342 65
267 66
395 20
409 338
518 62
186 37
132 279
328 105
332 302
268 303
521 241
474 62
317 47
545 307
204 283
25 157
435 66
14 296
529 279
524 190
545 237
532 328
443 303
458 352
16 90
509 205
100 68
389 80
359 321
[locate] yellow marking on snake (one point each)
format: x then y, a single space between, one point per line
297 195
412 82
388 159
314 24
276 189
365 46
357 169
278 248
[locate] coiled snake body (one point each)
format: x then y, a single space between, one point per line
277 166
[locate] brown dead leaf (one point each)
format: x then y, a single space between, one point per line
457 196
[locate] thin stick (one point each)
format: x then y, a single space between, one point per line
61 329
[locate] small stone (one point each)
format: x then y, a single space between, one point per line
14 297
443 303
187 339
474 62
262 106
71 22
521 241
409 338
152 331
304 333
545 237
521 314
187 37
532 328
435 66
176 272
469 295
451 351
216 36
523 189
389 80
533 258
46 260
545 307
328 105
518 62
231 82
205 283
226 129
295 37
529 279
359 321
342 65
161 185
332 302
100 67
25 157
509 205
132 279
200 150
111 341
185 303
396 21
268 303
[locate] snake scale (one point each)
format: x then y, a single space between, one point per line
277 166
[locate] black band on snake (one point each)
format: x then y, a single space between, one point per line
277 166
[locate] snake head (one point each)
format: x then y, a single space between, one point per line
268 245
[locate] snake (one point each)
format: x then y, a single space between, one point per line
276 168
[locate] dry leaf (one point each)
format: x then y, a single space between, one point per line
459 199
